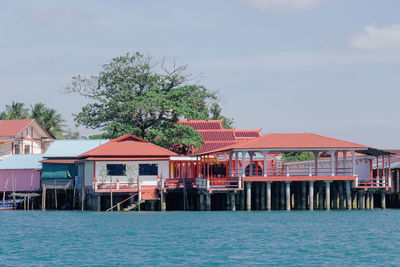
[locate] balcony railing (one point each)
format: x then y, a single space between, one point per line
374 182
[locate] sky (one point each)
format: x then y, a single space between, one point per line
330 67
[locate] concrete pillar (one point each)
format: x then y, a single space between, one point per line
282 194
268 189
262 198
361 200
348 195
228 201
152 208
383 200
242 200
233 201
320 197
303 196
43 197
251 170
201 197
248 196
277 192
311 195
98 202
265 167
335 195
332 153
230 164
237 164
367 200
372 201
257 189
355 198
208 201
328 195
243 169
288 196
341 197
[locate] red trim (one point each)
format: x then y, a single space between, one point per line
94 169
298 178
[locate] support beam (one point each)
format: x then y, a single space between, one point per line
288 196
348 195
361 199
383 200
208 201
282 194
265 167
341 197
311 195
248 196
201 197
242 200
320 196
328 195
303 196
257 191
268 189
262 197
233 201
367 200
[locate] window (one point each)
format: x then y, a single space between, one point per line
148 169
116 169
17 149
27 149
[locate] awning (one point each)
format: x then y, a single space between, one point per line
58 171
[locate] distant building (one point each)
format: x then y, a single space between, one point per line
22 137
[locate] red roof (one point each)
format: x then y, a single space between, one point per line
209 146
203 124
13 127
128 146
218 135
247 133
293 141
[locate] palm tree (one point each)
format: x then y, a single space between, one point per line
16 111
49 119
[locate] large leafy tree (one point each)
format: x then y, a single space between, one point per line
135 95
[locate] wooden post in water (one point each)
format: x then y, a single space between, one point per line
348 196
311 195
82 199
43 197
383 199
367 201
303 196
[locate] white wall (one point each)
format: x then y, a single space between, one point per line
324 165
163 170
5 150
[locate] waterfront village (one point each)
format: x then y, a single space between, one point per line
232 170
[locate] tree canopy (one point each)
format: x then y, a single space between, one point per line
132 94
297 156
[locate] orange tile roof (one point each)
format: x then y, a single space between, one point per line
218 135
245 134
128 146
214 145
293 141
203 124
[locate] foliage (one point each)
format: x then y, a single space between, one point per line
297 156
134 95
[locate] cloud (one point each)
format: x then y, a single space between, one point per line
282 6
67 15
377 38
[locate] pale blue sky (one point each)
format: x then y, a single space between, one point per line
330 67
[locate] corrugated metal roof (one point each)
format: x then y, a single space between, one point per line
17 162
73 148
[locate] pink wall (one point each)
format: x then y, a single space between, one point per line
24 180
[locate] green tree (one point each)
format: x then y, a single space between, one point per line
15 111
134 95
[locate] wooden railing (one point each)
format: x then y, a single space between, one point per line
374 182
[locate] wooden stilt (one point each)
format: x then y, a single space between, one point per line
43 197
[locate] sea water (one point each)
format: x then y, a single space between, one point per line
364 238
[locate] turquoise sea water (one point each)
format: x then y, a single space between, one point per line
364 238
